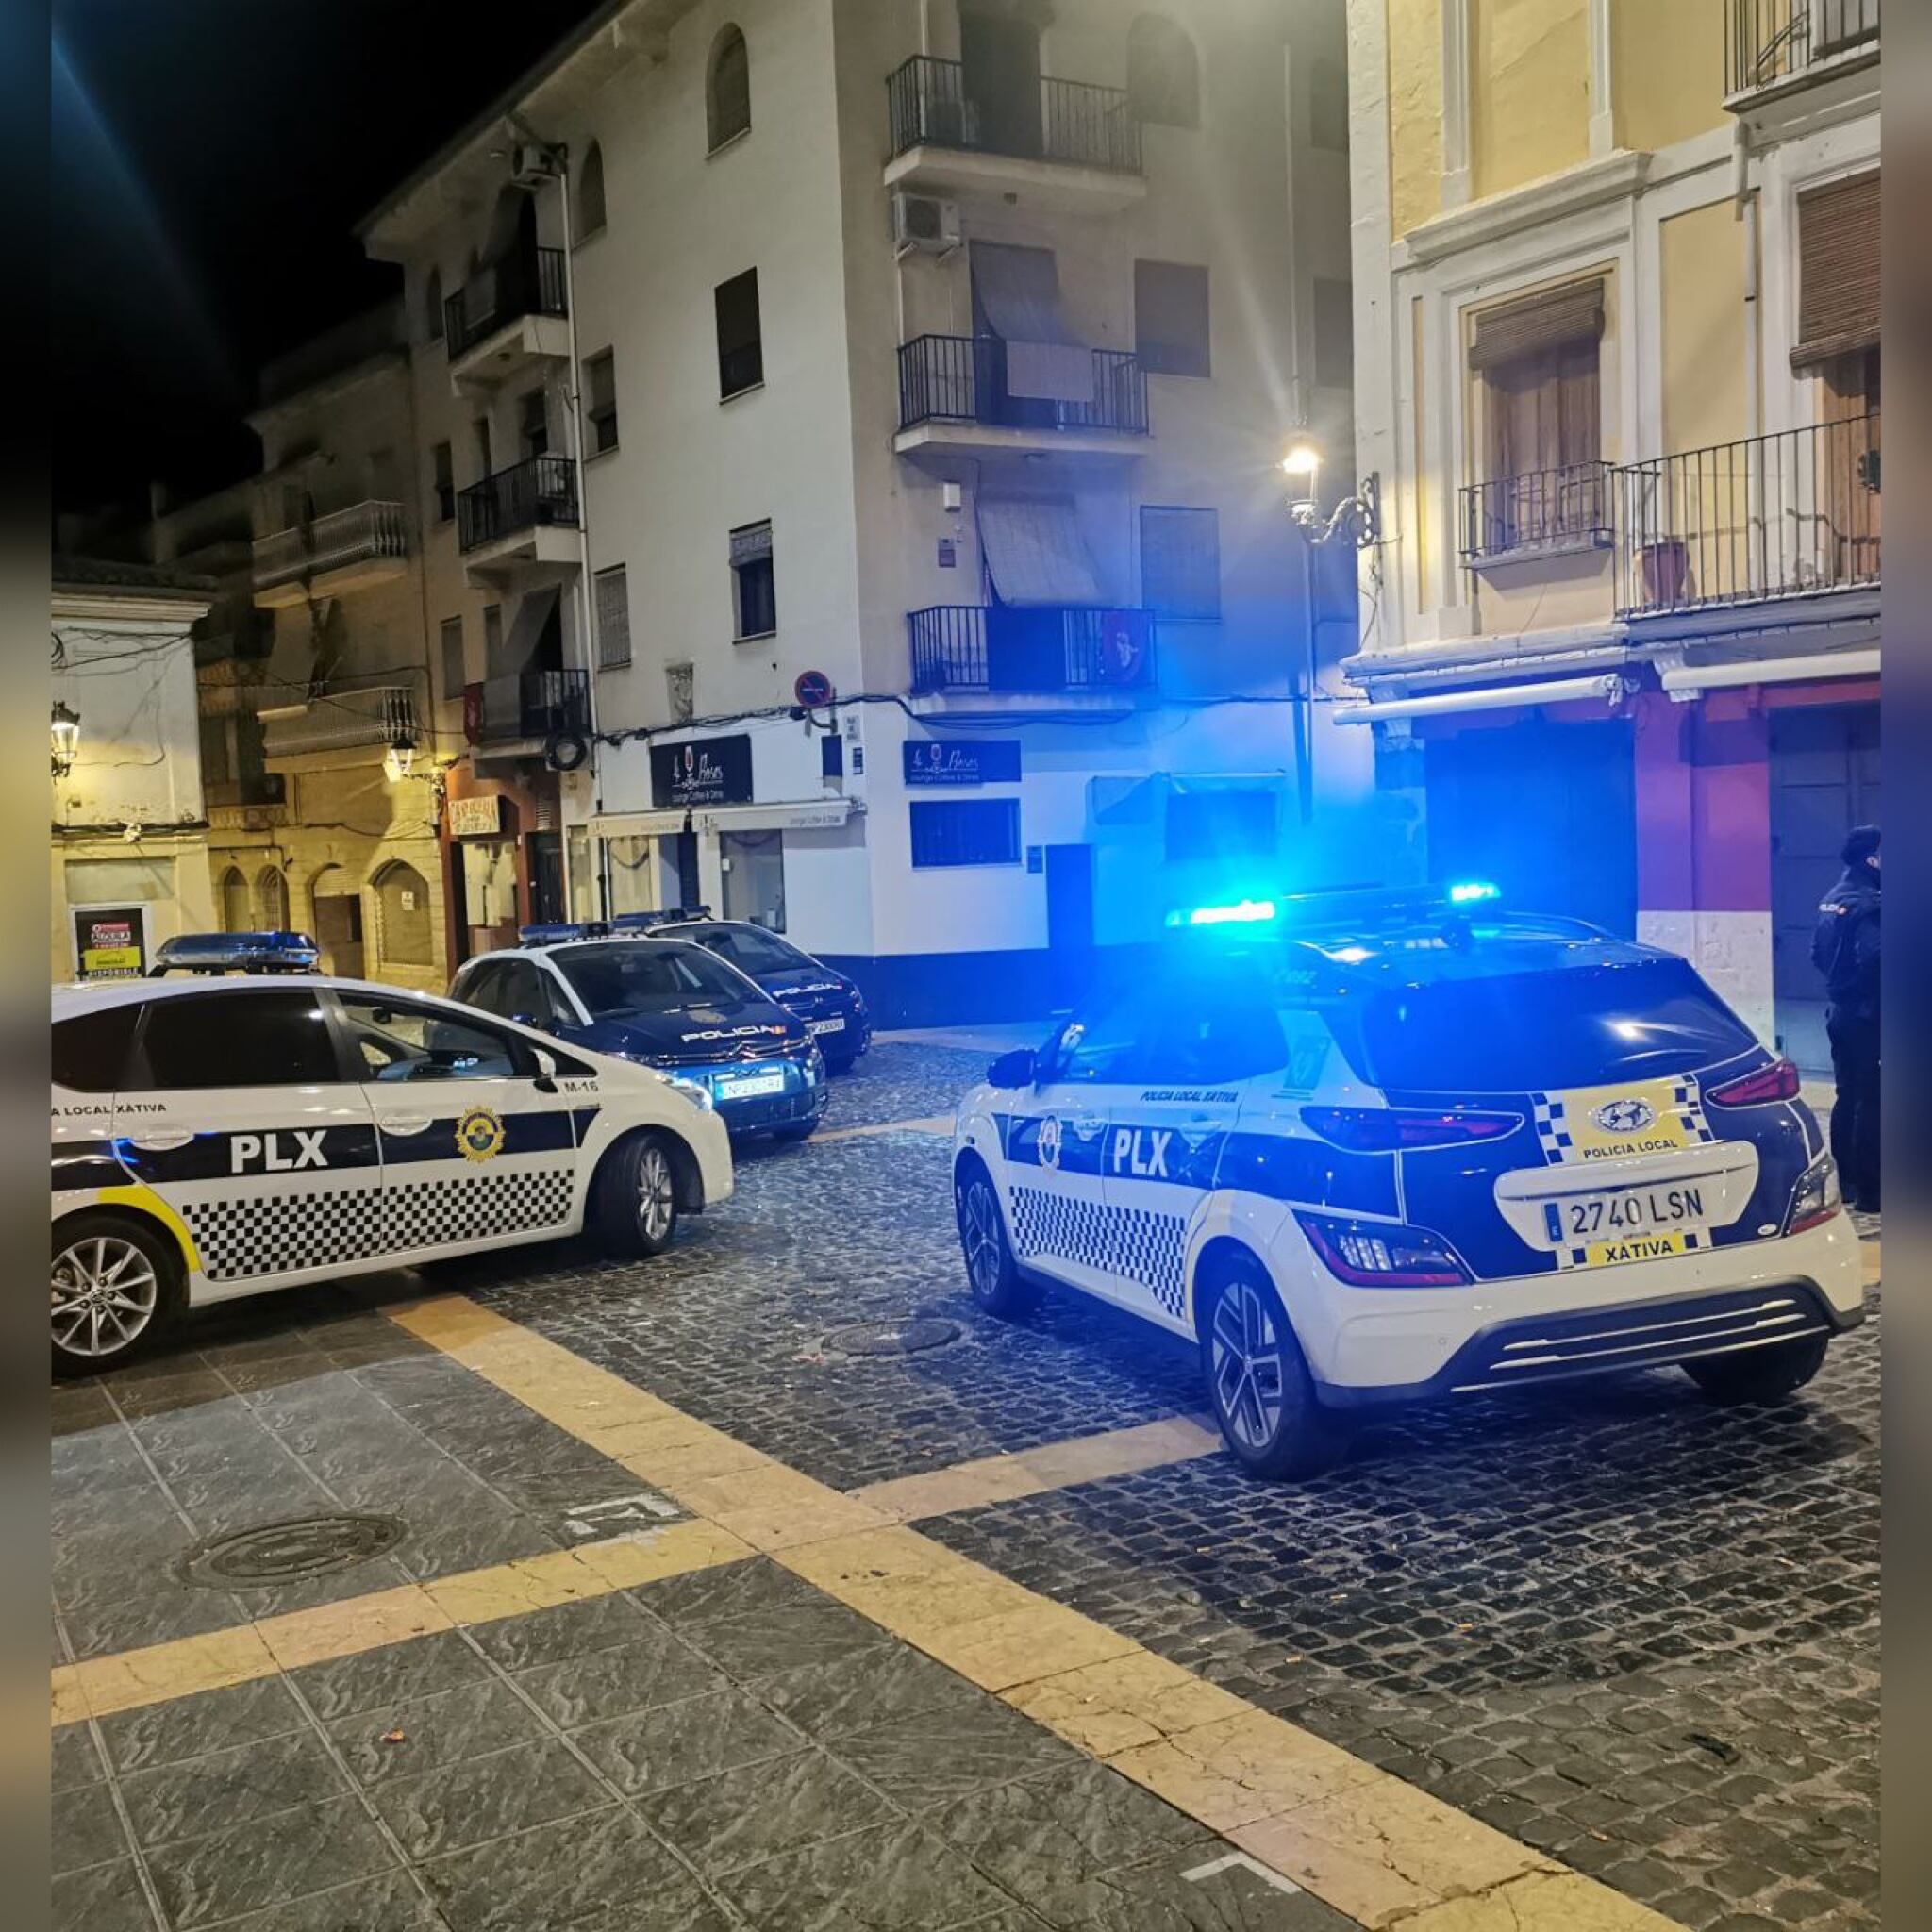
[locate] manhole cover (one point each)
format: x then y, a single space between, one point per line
892 1338
303 1546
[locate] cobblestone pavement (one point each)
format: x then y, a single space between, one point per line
1634 1631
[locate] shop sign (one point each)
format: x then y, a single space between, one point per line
703 771
109 942
962 761
476 818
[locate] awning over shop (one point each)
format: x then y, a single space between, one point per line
1018 292
1034 552
797 815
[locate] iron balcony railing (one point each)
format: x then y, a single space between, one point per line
1770 41
341 711
539 491
1785 515
965 380
936 103
1013 647
526 703
528 281
355 534
1543 510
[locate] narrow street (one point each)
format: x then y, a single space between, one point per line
769 1584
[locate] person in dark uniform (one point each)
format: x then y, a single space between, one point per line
1845 950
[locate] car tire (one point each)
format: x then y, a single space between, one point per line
118 1286
1258 1384
1763 1374
991 1272
634 1207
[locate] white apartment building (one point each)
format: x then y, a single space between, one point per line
933 366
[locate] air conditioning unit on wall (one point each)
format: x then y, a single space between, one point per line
924 225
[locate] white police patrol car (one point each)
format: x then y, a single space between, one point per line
219 1137
1368 1148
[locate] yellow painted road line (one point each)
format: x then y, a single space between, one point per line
927 1123
101 1685
1372 1846
1034 1472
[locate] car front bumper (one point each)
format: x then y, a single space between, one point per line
1372 1346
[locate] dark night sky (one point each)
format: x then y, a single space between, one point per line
210 157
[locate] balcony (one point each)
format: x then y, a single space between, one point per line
337 713
346 550
956 400
524 515
990 649
507 317
251 804
526 707
1066 146
1773 518
1773 47
1544 514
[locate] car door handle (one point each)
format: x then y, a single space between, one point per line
405 1123
163 1140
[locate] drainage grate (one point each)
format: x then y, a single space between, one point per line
301 1546
892 1338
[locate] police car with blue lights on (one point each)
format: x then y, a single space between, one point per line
252 1126
1370 1147
615 987
831 1006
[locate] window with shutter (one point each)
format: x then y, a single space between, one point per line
1537 363
741 339
613 618
453 676
1180 562
1170 318
1837 272
600 401
755 588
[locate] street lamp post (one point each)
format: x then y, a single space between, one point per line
65 733
1357 519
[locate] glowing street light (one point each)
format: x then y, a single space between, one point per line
65 732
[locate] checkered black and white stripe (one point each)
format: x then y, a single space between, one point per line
1130 1242
1553 1126
271 1234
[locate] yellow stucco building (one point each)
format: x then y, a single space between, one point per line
1616 269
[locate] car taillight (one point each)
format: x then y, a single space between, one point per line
1778 1081
1381 1254
1388 1129
1816 1198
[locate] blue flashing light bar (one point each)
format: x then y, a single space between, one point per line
1243 912
555 932
1470 891
236 951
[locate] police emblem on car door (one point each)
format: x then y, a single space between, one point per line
472 1147
237 1111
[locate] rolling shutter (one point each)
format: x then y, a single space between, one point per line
1035 553
1538 323
1837 271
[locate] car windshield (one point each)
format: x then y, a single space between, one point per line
648 977
752 951
1528 1032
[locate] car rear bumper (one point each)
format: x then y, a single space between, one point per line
1392 1345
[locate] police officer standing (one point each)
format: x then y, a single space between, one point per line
1845 950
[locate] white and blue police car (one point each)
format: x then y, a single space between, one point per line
615 987
215 1137
1367 1148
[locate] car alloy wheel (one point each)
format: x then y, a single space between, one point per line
1246 1357
657 1194
980 1229
106 1292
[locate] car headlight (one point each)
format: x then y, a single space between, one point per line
1816 1197
693 1091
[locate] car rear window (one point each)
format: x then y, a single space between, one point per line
613 977
91 1050
1526 1032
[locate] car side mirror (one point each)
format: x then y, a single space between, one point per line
546 1072
1015 1069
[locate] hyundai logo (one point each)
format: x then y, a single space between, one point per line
1624 1116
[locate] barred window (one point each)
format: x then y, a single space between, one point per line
965 831
614 619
